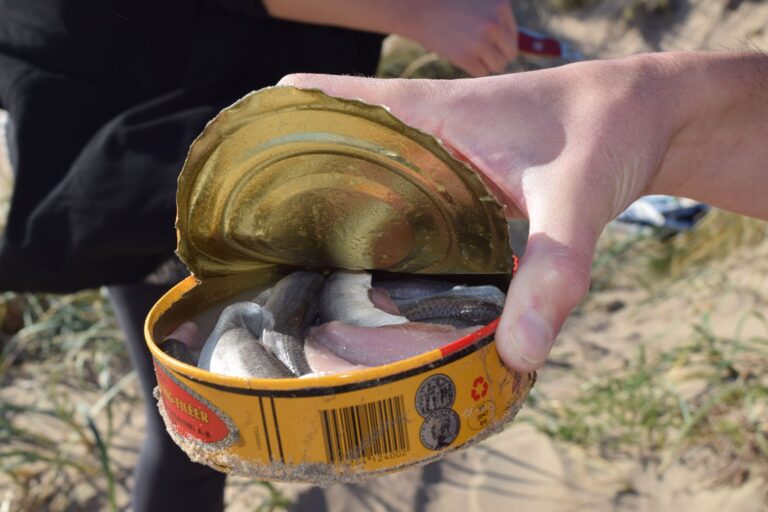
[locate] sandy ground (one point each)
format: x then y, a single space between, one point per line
522 467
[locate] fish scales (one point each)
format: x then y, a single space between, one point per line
471 311
240 314
486 293
292 305
414 288
240 354
179 351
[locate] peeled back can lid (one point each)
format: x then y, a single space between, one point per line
288 176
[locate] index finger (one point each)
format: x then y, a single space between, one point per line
509 24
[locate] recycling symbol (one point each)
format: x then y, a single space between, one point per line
479 389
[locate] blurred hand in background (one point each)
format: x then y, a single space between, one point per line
479 36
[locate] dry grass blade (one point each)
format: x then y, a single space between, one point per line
275 500
624 414
642 411
103 453
5 505
112 393
73 341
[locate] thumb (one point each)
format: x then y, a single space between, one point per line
415 102
552 278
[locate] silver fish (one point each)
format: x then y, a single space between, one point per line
485 293
413 288
266 339
263 297
239 353
458 323
292 306
246 315
346 297
468 310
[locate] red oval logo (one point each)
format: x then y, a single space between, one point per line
191 415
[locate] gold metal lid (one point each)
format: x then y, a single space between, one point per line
296 177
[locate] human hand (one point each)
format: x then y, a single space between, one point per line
555 148
480 36
570 148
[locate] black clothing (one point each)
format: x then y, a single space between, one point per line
105 97
164 477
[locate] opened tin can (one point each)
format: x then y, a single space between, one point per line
289 179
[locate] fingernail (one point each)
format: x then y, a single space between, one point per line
532 338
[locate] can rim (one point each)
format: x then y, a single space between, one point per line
327 381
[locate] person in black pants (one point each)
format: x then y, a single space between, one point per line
105 98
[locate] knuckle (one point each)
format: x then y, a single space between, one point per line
491 29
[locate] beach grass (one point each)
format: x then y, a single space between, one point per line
62 369
709 394
74 388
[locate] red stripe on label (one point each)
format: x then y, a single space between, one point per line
470 338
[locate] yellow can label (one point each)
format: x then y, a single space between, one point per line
369 426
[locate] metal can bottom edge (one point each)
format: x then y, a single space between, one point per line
317 473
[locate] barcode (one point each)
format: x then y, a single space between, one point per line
371 430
